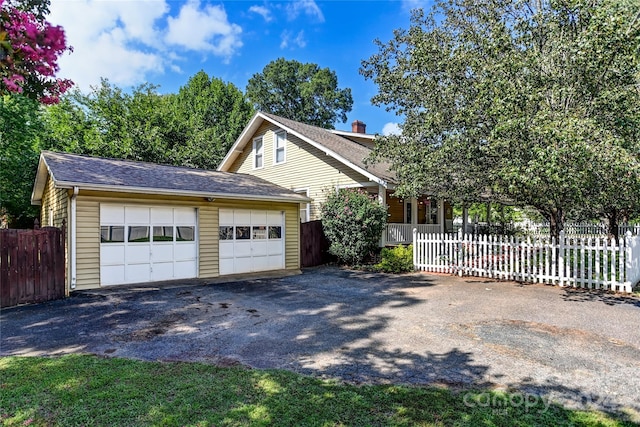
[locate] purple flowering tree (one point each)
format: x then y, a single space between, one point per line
29 51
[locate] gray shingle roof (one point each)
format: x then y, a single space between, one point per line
350 150
123 175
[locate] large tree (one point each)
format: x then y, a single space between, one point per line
522 99
19 126
208 115
302 92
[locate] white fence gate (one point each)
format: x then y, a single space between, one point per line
592 263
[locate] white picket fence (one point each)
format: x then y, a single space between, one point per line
579 229
592 263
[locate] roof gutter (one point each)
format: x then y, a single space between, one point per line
160 191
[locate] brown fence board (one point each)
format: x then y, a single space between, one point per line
32 266
314 245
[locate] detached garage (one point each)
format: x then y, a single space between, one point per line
134 222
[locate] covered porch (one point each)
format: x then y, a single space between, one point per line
426 213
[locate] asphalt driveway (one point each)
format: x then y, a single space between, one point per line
580 348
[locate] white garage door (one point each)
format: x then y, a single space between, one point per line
143 244
251 240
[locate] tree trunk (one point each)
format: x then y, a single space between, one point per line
556 223
612 224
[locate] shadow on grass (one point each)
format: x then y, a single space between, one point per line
87 390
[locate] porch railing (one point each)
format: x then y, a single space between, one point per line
403 233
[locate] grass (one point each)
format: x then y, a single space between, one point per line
81 390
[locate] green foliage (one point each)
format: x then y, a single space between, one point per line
19 125
396 260
353 222
207 116
302 92
194 127
534 102
88 390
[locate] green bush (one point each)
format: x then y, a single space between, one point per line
353 222
397 260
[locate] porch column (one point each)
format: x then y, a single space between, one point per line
382 199
414 211
441 214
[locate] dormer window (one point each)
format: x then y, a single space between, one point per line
279 147
258 153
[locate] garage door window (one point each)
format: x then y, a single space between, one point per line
259 232
163 234
226 232
185 234
138 234
275 232
112 234
242 232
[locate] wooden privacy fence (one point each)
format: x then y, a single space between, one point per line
32 266
313 244
592 263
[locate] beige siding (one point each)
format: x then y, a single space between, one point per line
208 241
306 167
53 209
88 243
88 230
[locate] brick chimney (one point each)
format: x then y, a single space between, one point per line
358 127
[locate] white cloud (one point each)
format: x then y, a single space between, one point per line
125 41
205 29
262 11
306 7
391 129
408 5
287 39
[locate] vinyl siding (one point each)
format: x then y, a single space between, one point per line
305 167
88 230
88 243
54 205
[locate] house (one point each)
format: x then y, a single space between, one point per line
134 222
312 161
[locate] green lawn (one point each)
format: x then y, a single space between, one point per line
92 391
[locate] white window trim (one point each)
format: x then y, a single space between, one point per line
254 153
308 210
275 147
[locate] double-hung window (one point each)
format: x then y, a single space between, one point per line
258 153
279 147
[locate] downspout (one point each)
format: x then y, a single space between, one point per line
72 231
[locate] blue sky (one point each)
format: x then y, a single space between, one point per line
165 42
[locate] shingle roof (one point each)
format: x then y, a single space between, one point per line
352 151
68 170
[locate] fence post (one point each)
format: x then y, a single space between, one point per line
561 242
631 262
415 248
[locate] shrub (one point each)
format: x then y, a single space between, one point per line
397 260
353 222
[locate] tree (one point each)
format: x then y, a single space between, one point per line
19 125
302 92
194 127
29 51
208 116
522 100
353 222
